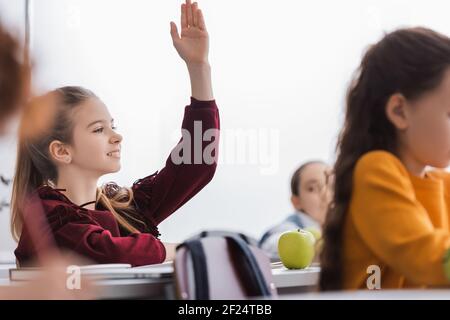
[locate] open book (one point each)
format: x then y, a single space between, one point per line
104 272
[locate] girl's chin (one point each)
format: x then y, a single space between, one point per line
440 164
113 169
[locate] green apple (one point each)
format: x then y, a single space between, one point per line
315 231
296 248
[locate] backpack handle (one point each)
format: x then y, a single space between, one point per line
205 234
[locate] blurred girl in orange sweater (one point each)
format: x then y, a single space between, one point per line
389 213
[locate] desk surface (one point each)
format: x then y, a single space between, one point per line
160 288
298 280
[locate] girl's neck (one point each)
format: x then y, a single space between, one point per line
414 166
80 189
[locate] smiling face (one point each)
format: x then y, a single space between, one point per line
95 144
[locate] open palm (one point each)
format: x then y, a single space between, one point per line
193 44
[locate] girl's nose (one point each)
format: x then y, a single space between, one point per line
116 138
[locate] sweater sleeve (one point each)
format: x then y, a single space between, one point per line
393 224
189 168
87 238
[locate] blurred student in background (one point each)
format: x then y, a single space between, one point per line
389 211
310 196
14 91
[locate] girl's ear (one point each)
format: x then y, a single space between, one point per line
60 152
396 111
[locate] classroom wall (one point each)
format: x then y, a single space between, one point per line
280 71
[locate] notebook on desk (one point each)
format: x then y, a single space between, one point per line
104 272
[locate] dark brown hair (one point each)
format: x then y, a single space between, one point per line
407 61
13 74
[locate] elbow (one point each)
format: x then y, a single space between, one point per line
210 172
427 274
162 252
204 176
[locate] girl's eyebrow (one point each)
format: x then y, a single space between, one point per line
97 121
311 181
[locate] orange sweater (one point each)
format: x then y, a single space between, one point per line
398 222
